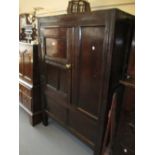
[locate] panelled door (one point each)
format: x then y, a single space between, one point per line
87 77
56 47
89 69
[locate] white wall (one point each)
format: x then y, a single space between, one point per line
51 7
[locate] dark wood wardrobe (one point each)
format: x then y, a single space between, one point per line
82 59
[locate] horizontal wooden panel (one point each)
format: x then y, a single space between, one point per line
57 110
83 125
56 95
55 32
26 62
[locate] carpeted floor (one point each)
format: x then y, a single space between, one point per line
50 140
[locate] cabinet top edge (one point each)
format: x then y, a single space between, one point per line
96 12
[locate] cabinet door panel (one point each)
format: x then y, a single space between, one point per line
57 44
52 76
28 60
56 48
89 69
57 78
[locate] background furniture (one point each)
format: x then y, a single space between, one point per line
125 135
82 58
29 88
120 133
27 27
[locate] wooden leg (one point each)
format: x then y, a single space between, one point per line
35 119
45 119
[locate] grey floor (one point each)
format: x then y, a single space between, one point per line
50 140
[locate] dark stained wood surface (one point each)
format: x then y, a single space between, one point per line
29 88
131 64
25 65
89 69
83 57
123 141
125 136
